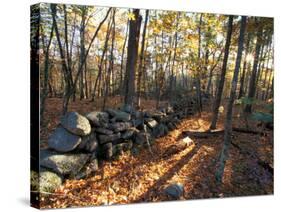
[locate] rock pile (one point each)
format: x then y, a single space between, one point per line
79 142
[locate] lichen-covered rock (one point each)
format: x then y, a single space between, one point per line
97 118
88 170
175 190
63 141
64 164
76 123
89 143
120 126
119 115
49 181
108 138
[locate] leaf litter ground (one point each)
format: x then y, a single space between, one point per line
143 177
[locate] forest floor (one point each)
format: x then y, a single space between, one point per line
142 178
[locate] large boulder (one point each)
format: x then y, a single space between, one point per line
120 126
49 181
89 143
63 164
63 141
97 118
76 123
108 138
174 191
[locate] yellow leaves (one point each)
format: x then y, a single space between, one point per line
221 109
131 16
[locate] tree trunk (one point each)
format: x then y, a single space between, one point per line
141 61
242 78
129 83
82 50
98 79
228 121
222 77
252 84
122 58
46 73
111 62
198 77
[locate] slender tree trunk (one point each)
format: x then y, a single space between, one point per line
129 83
122 58
46 73
111 62
67 75
102 60
198 77
252 84
82 50
242 79
228 121
222 77
172 85
141 61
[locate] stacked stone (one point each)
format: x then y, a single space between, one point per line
79 142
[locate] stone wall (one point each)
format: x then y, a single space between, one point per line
79 142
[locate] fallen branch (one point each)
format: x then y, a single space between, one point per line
243 130
207 134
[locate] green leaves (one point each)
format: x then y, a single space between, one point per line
245 101
263 117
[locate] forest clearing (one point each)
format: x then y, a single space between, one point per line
147 106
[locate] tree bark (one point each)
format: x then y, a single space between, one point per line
44 95
222 77
252 83
242 78
228 121
129 83
141 61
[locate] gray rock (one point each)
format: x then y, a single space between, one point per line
171 126
89 143
137 122
151 123
120 126
65 164
49 181
97 118
140 138
119 115
63 141
107 151
128 109
104 131
175 190
128 134
76 123
88 170
108 138
160 130
157 115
